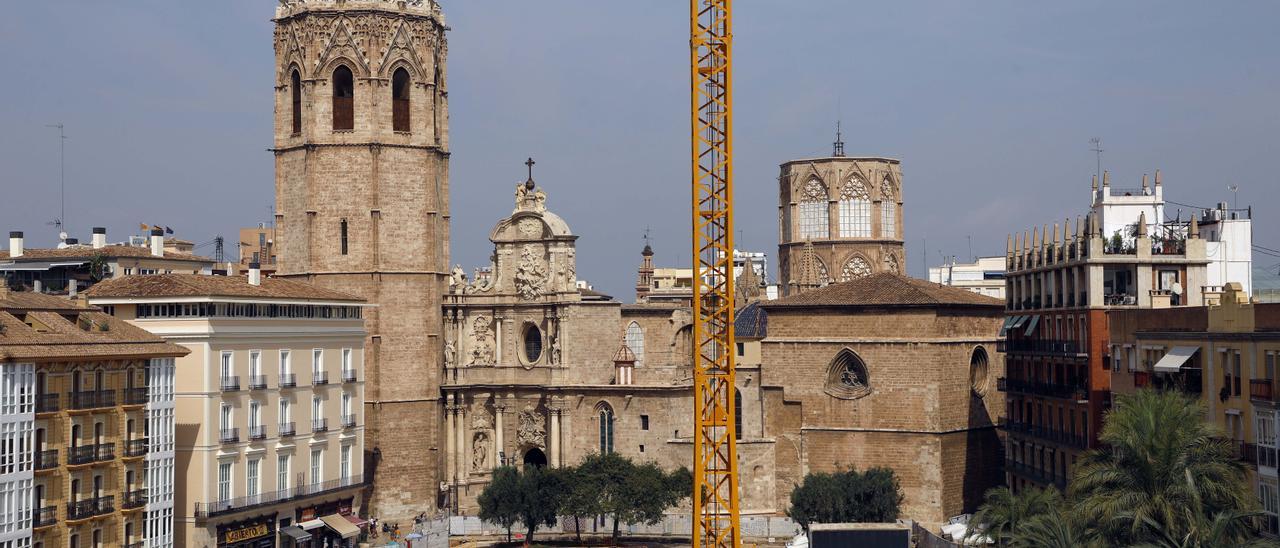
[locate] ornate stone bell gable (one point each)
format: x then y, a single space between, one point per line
534 253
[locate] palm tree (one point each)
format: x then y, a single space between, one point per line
1004 511
1164 468
1058 528
1209 533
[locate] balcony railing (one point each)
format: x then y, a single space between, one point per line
1071 390
1047 434
349 375
48 403
46 460
1043 478
348 421
1246 452
287 429
230 384
229 435
1037 346
257 382
44 517
319 425
89 508
1262 390
205 510
134 499
86 454
320 378
288 380
257 432
92 399
1266 455
135 396
135 448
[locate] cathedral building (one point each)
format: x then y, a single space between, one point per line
362 195
839 219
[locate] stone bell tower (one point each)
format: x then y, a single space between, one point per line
362 198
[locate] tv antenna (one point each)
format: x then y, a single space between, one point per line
1235 196
1097 152
62 176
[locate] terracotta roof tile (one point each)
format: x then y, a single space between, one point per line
47 328
196 285
87 252
886 289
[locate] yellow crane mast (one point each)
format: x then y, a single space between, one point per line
715 485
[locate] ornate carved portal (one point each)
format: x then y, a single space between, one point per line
531 274
532 431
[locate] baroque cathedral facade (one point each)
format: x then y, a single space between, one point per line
522 364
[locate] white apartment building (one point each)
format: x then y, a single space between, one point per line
984 276
268 408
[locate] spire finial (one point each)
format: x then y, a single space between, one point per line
529 164
838 146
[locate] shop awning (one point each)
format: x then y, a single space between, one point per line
296 533
1173 361
341 526
1008 322
1021 320
1031 327
356 521
310 525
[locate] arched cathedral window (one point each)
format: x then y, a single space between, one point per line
978 372
814 218
295 91
606 428
855 209
888 210
855 268
635 341
847 376
400 100
344 99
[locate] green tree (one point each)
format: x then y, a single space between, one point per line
500 500
1208 533
1003 511
873 496
1164 469
581 497
540 492
1059 527
627 492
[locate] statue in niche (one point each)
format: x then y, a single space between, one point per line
555 349
481 421
531 432
531 275
481 345
571 273
480 452
450 353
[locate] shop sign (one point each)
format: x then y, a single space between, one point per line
247 532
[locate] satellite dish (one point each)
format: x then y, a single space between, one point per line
62 236
1176 289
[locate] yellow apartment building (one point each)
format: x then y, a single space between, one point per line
270 448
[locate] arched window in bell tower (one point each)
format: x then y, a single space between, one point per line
295 89
344 102
400 100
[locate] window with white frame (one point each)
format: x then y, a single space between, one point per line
317 408
346 362
635 341
1116 357
888 210
317 458
252 481
1268 497
346 404
282 472
224 481
344 466
255 414
255 364
224 417
284 410
285 366
855 209
814 216
228 367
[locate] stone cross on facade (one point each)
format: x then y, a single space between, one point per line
529 163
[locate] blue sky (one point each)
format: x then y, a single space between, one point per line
989 105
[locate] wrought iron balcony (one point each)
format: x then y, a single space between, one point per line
135 448
1071 390
205 510
349 375
134 499
48 403
46 460
86 454
287 429
1037 476
135 396
231 383
348 421
92 507
1047 434
96 399
257 382
319 425
44 517
257 432
229 435
319 378
1263 390
288 380
1039 346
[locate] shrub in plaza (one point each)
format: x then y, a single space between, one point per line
873 496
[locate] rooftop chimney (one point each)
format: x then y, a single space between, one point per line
255 274
157 242
99 237
15 243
